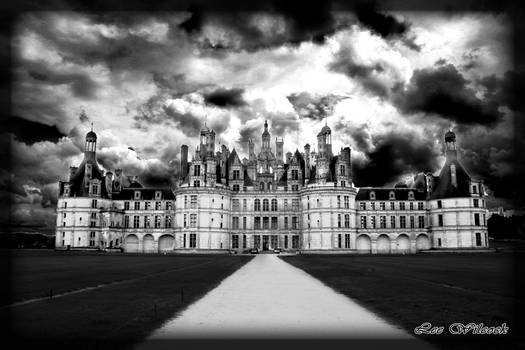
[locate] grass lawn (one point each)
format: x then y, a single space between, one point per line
149 290
439 288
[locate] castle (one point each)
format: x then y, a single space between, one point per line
301 201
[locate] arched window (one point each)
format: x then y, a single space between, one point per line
257 205
391 195
269 186
261 186
266 205
410 195
274 204
372 195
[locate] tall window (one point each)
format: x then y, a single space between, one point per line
294 223
421 221
235 204
136 219
476 203
196 170
295 242
339 201
440 205
285 242
411 205
236 174
257 223
235 241
412 222
295 174
295 204
235 222
257 205
476 219
440 220
157 221
382 205
286 223
185 222
266 205
347 202
168 205
338 220
373 221
402 206
274 223
157 206
342 171
193 220
146 205
236 188
382 221
285 204
167 221
274 204
372 206
193 201
392 205
193 240
244 204
393 222
146 222
295 188
244 222
363 221
420 206
126 205
244 241
402 221
347 240
347 221
362 205
126 221
266 223
339 240
94 203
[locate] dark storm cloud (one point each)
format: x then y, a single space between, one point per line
30 132
385 25
81 84
187 122
225 97
506 90
443 91
304 21
392 156
313 107
344 62
250 132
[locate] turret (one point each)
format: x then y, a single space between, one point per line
265 136
450 145
90 147
279 149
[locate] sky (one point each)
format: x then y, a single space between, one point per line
389 84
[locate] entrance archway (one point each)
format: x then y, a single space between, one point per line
363 244
403 244
148 244
383 244
422 242
132 244
166 243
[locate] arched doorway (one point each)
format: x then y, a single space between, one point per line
383 244
363 244
166 243
422 242
148 244
403 244
132 244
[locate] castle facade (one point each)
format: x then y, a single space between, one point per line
301 201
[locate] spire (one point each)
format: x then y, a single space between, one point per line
450 145
91 126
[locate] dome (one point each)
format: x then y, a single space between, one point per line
450 136
91 135
325 130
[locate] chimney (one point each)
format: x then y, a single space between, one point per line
183 161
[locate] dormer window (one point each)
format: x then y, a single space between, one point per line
137 195
158 194
474 189
453 177
410 195
372 195
391 195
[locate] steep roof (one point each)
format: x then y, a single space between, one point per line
145 193
444 187
383 194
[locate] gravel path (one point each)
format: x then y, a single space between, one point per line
269 298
